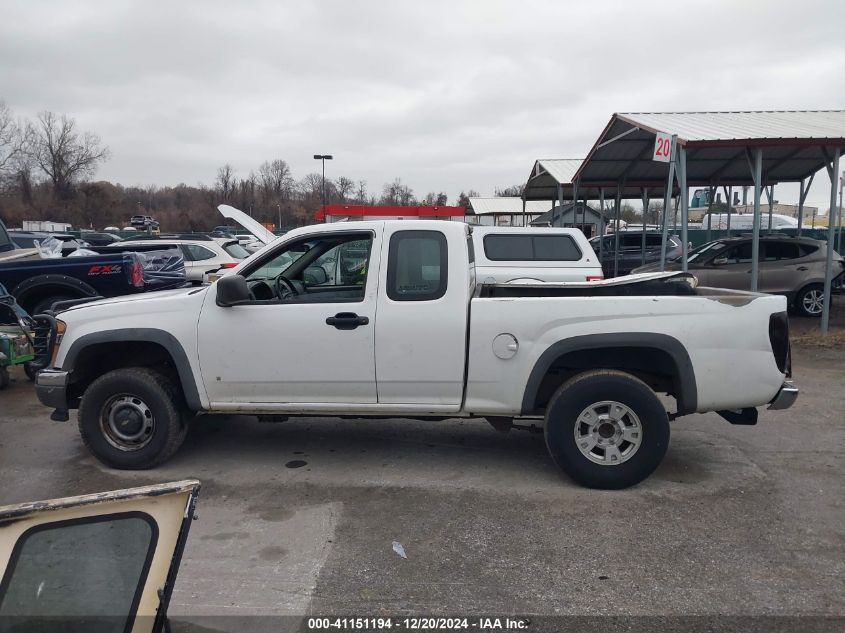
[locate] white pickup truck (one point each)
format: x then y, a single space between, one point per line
385 319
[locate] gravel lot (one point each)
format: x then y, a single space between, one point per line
738 521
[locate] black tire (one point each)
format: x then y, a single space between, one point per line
4 378
808 300
30 371
582 392
47 302
158 395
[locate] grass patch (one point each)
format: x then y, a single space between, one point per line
835 338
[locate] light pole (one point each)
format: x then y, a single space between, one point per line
279 209
324 158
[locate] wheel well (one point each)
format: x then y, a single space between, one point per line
655 367
99 358
31 298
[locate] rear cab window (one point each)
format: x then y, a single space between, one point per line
508 247
417 266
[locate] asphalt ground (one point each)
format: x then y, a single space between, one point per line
742 524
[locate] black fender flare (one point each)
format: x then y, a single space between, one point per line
143 335
60 282
688 393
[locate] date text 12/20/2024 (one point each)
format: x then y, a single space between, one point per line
480 623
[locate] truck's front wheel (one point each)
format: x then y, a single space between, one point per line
132 418
606 429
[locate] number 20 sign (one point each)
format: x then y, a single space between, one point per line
662 148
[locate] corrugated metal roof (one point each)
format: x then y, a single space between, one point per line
794 145
561 169
484 206
717 126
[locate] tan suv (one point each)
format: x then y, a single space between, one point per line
791 266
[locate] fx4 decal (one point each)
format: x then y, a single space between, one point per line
104 269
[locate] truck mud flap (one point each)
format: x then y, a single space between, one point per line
745 417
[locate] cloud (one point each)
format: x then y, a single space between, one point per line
447 95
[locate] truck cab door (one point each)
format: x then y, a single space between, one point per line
424 294
305 338
102 562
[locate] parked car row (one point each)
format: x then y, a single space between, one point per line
790 266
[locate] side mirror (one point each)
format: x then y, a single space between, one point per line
232 290
720 261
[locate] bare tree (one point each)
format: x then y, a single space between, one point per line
15 141
435 199
276 182
225 183
514 191
397 194
64 154
463 198
344 187
361 193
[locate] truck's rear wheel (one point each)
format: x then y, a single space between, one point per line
606 429
132 418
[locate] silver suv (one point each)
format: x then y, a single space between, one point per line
791 266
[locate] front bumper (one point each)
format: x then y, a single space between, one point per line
51 388
785 397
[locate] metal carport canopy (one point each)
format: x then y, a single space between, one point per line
548 174
722 149
794 144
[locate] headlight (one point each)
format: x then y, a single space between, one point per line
61 326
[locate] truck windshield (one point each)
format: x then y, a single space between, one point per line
5 242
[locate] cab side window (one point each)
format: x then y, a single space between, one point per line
417 266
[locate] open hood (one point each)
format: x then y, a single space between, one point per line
261 234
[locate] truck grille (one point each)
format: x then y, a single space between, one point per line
45 340
779 338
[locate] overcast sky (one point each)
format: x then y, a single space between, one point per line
446 95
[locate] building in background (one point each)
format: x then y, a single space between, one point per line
502 211
351 212
575 215
779 208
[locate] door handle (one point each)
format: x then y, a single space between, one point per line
347 320
802 268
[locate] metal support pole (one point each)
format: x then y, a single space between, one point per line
800 207
839 215
559 202
575 204
828 265
667 198
616 230
682 172
711 192
755 239
728 191
645 210
770 193
601 225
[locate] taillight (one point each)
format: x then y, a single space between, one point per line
229 265
136 275
595 277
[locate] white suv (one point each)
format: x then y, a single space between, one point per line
202 254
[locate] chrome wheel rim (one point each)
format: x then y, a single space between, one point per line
813 301
127 422
608 433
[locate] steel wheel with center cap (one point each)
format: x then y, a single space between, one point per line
606 429
132 418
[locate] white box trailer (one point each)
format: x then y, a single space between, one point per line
46 226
